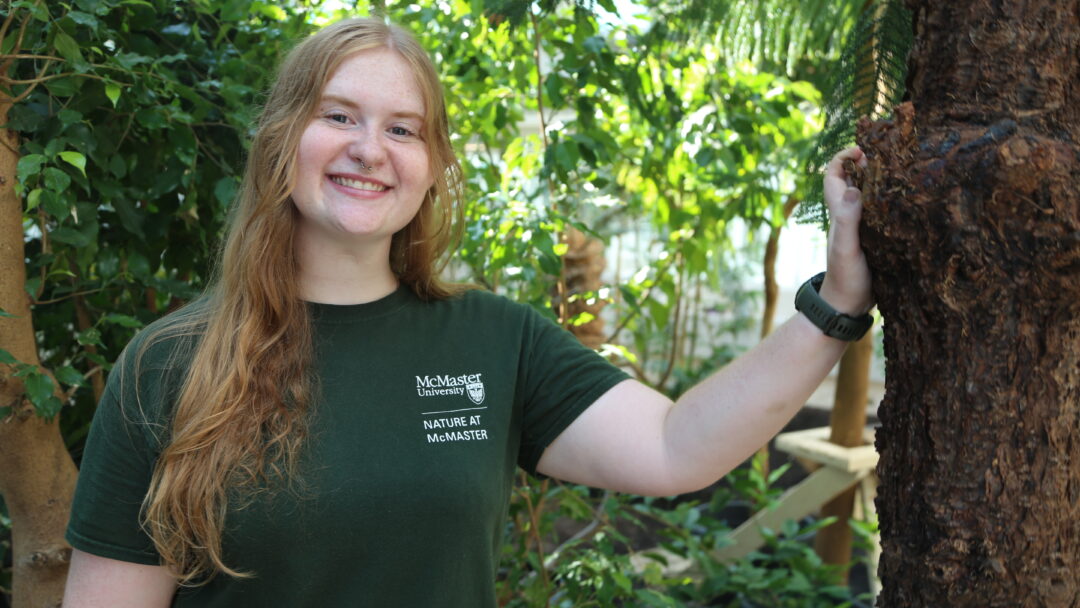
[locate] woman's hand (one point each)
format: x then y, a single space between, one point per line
847 279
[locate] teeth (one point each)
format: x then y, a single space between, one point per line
359 185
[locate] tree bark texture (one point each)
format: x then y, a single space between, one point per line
37 476
972 230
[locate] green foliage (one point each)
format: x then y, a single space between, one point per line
133 122
571 546
797 39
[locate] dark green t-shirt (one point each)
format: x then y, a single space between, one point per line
425 409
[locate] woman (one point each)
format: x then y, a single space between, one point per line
332 425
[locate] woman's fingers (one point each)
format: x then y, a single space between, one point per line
836 177
847 280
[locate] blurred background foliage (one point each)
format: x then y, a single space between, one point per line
675 128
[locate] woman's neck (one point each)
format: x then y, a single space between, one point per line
355 275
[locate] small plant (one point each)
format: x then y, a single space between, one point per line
570 546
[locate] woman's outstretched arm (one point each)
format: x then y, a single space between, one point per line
634 439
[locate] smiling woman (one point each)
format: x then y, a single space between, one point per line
333 425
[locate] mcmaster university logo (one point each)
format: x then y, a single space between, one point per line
476 392
469 385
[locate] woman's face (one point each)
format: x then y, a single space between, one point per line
362 165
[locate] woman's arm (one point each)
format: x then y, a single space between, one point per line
100 582
634 439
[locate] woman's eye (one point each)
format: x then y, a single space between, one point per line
401 131
337 117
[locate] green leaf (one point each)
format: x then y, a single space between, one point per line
64 87
112 91
33 199
117 166
39 389
150 117
123 320
225 190
67 47
84 19
68 116
130 217
659 313
70 376
54 205
89 337
622 581
75 159
7 358
55 179
28 166
71 236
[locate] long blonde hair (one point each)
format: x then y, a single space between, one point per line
241 414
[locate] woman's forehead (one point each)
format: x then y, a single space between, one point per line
379 77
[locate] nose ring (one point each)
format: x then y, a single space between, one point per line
364 166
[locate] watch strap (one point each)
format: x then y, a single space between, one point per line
834 324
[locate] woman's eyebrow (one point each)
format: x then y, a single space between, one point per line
337 99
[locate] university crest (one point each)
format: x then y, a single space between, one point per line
476 392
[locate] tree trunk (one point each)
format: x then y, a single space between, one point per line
972 229
37 476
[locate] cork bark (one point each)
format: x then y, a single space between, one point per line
972 230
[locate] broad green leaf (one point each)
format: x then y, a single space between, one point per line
67 47
84 19
76 159
71 236
55 179
68 116
28 166
69 375
39 389
112 91
65 86
55 205
7 358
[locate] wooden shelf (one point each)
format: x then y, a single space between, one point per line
814 445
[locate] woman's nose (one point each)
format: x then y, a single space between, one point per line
367 145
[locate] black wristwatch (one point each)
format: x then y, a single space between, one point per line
834 324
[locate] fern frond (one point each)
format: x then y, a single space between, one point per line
869 81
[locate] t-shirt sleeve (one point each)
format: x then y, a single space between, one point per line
115 473
561 378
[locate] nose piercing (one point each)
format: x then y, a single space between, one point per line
364 166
